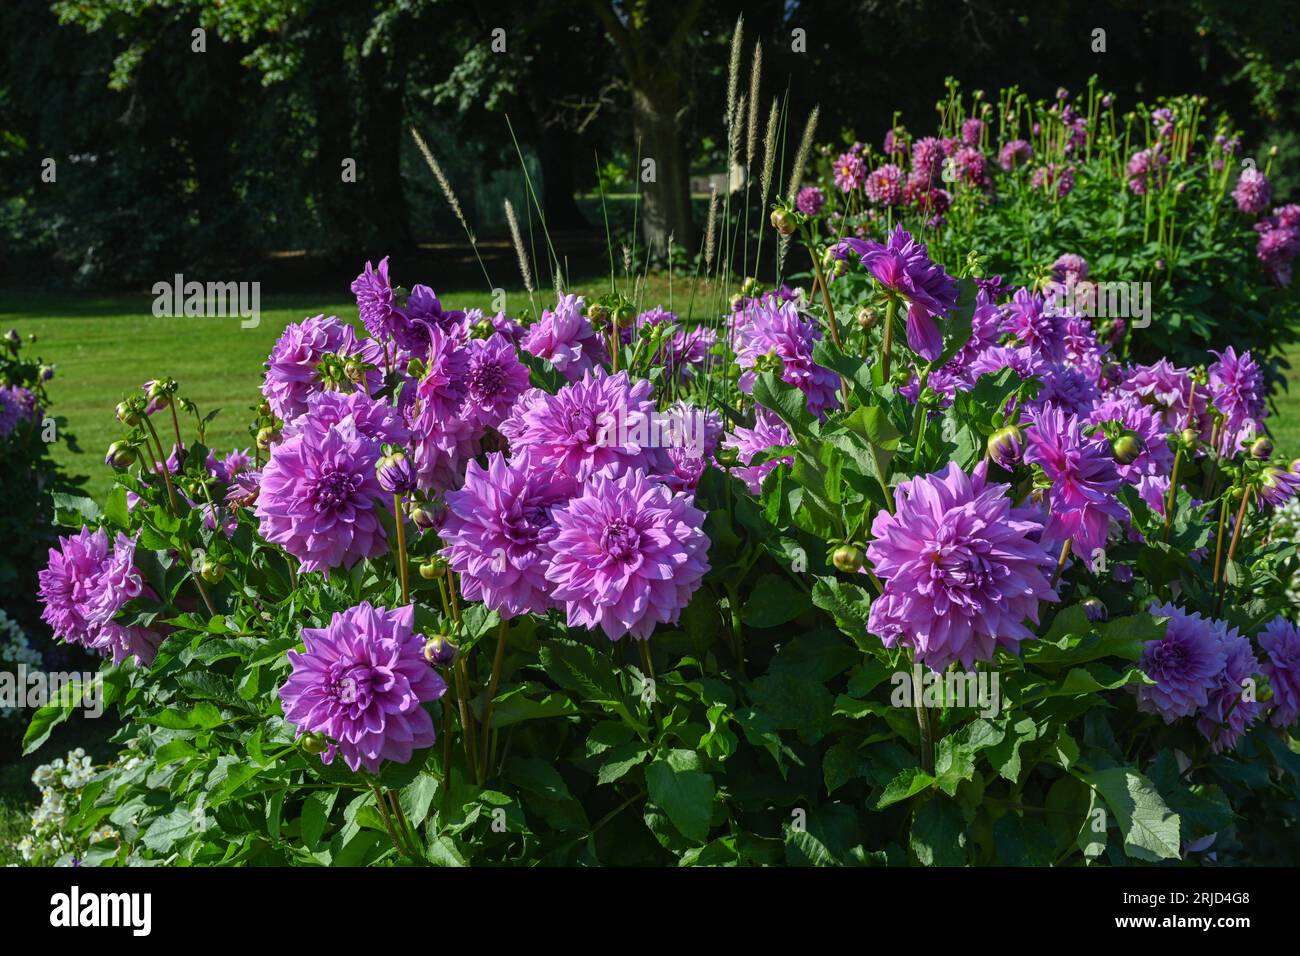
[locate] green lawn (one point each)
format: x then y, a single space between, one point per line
104 347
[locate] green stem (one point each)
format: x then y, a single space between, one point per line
403 568
502 633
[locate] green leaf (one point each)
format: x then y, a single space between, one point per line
938 834
789 403
686 796
1150 828
620 759
907 783
773 601
315 816
847 603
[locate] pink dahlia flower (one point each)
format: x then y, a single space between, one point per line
962 569
775 329
496 529
850 172
768 432
565 338
316 498
627 556
292 371
885 185
1253 192
361 682
495 378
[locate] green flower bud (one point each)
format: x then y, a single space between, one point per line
848 558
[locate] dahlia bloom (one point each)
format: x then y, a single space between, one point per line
768 432
292 374
494 378
885 185
372 419
970 167
1027 317
375 301
693 435
16 404
1143 421
628 555
1015 153
1280 642
1167 388
501 324
1237 389
565 338
1277 486
443 386
810 200
927 159
962 569
971 131
1070 268
1084 480
903 266
588 425
316 498
850 172
776 329
1253 192
1069 389
496 530
85 584
422 311
1228 714
1185 664
361 682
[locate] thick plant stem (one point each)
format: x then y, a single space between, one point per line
1232 545
737 632
388 821
403 569
1218 541
447 732
162 466
887 346
502 633
1173 492
466 719
923 721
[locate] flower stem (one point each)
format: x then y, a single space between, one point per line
1060 564
1218 541
1232 545
1173 491
502 632
922 721
403 571
162 466
887 346
466 719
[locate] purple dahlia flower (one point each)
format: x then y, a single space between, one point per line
1237 390
1015 153
375 301
775 329
1028 318
423 310
971 131
373 419
565 338
1145 422
768 432
501 324
903 265
361 682
496 530
1084 480
443 386
1053 177
1167 388
1253 191
927 159
495 378
628 555
1228 713
1185 664
1280 642
962 569
810 200
316 498
692 435
588 425
292 371
85 584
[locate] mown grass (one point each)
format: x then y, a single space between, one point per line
104 347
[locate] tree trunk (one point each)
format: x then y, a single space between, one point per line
666 200
555 153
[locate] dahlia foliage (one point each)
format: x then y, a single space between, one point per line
482 581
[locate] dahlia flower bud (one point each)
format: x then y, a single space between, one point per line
1261 449
211 570
416 369
434 568
160 391
121 454
315 744
728 457
13 339
1095 610
425 515
1191 438
268 436
783 221
128 414
482 329
1005 447
440 651
848 558
1127 448
867 318
395 474
264 409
